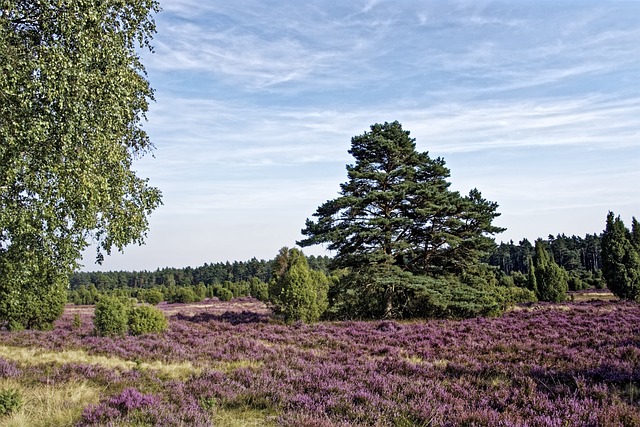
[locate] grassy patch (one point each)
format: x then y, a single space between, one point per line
243 417
230 366
34 356
50 406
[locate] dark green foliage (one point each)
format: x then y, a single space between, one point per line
259 290
10 401
621 258
145 319
77 321
238 276
580 257
222 293
298 293
550 278
532 283
111 316
575 282
397 209
183 295
420 296
151 296
396 218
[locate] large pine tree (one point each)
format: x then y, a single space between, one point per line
396 215
397 209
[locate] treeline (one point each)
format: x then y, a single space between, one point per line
209 274
183 285
580 257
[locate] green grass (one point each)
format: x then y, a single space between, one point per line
50 406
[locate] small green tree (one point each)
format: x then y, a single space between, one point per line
111 316
151 296
621 258
532 284
299 293
10 401
551 279
146 319
183 295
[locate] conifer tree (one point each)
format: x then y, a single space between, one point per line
299 293
621 258
532 284
550 278
397 213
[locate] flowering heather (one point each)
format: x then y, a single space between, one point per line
8 369
574 364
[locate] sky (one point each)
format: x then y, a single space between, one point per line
534 103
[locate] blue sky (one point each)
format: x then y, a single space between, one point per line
535 103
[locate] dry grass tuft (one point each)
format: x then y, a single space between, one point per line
34 356
50 406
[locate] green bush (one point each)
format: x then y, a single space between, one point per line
10 401
298 293
183 295
33 291
259 289
146 319
151 296
111 316
224 294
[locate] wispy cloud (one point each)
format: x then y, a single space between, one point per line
536 104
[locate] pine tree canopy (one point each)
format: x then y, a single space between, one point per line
396 209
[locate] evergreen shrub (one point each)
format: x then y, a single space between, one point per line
151 296
184 295
111 316
146 319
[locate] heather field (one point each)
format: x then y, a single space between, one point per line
229 364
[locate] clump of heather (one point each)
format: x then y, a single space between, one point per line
543 365
131 407
8 369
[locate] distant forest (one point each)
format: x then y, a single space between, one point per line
208 274
580 257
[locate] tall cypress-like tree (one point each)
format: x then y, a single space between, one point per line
550 278
621 258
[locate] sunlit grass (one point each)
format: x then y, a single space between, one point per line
34 356
229 366
242 417
50 406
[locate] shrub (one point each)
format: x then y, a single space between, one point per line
146 319
151 296
224 294
259 289
10 401
33 291
77 321
111 316
298 293
183 295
